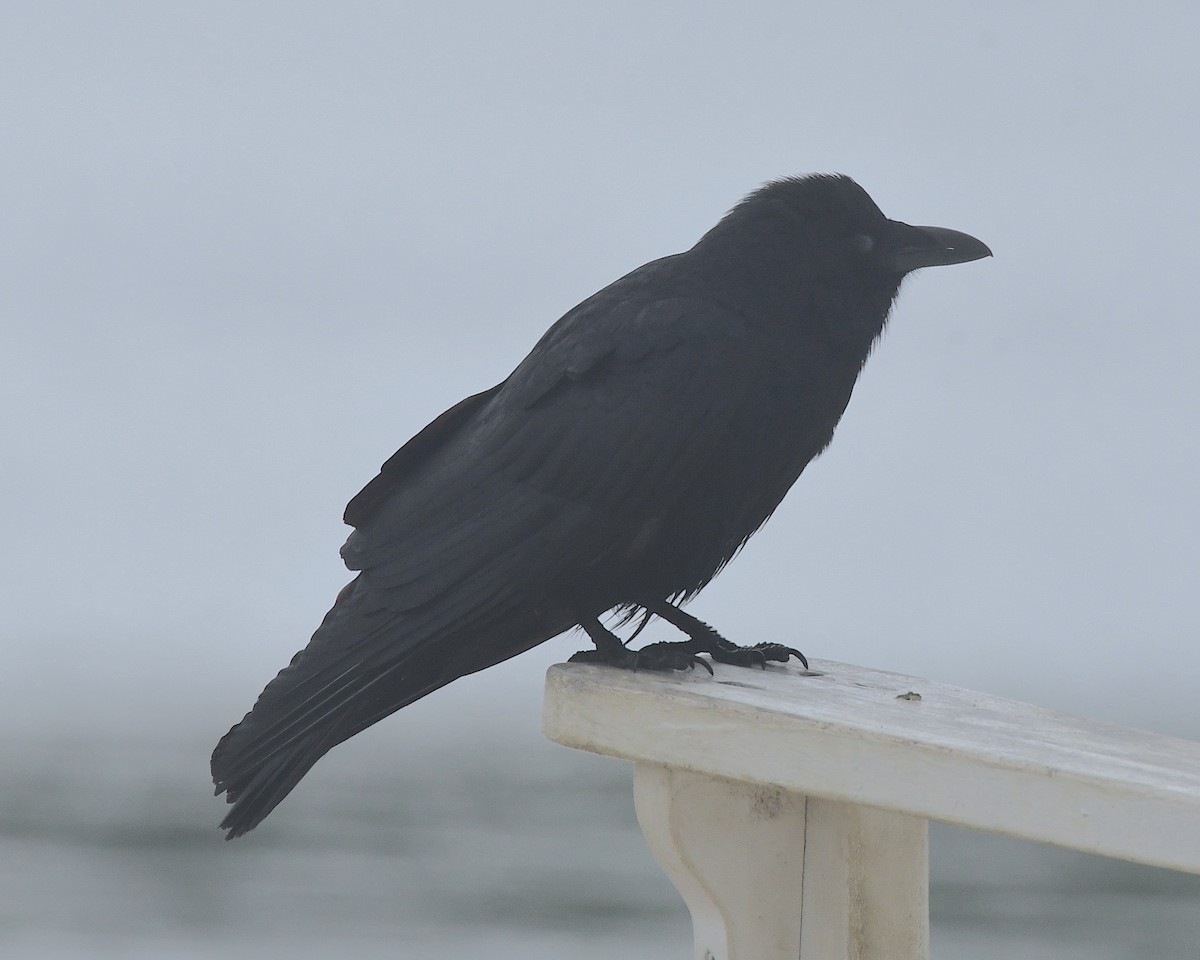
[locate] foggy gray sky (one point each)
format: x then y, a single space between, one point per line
250 248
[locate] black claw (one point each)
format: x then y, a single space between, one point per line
777 651
656 656
740 657
670 656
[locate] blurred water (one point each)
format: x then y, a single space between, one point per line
503 848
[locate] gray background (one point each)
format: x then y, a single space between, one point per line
249 248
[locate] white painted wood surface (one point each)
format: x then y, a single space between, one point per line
772 875
898 743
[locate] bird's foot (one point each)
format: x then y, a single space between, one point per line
704 639
682 655
655 656
755 656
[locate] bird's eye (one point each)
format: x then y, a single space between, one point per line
864 243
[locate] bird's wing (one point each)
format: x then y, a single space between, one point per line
405 461
604 422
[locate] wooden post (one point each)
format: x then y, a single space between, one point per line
866 883
773 875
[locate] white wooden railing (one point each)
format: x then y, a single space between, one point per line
791 809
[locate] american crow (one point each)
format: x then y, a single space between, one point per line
622 464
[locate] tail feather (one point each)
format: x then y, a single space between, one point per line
259 791
294 725
323 697
362 664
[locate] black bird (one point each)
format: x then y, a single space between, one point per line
622 464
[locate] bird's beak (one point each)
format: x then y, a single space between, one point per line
918 247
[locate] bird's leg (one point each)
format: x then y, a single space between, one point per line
704 639
611 652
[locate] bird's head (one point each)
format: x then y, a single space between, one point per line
836 221
819 244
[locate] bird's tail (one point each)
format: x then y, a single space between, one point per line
363 663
